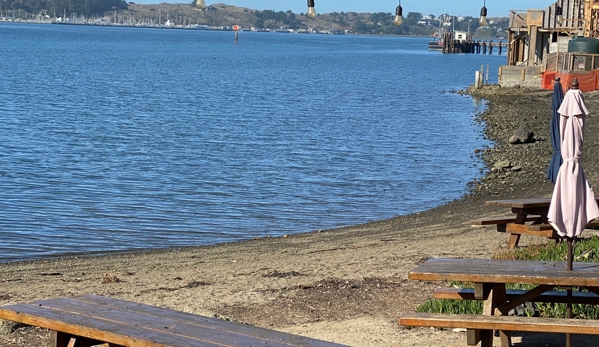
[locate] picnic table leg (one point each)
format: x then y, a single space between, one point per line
500 298
485 291
521 217
493 295
515 238
60 339
513 241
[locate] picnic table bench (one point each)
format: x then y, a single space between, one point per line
490 278
453 293
526 210
90 320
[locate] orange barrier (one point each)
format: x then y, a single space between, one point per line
587 80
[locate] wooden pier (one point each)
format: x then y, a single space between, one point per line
466 45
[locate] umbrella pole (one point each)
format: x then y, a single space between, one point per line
569 292
570 256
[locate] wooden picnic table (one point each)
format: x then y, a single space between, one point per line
91 320
526 210
490 278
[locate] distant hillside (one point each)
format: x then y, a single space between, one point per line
363 23
224 15
25 9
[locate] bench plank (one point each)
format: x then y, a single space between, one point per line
505 323
158 318
544 230
120 333
521 203
176 322
552 296
593 224
135 325
529 228
507 271
499 220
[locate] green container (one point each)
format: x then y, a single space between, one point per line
582 44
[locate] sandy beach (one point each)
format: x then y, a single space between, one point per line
346 285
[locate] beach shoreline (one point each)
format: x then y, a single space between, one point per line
347 285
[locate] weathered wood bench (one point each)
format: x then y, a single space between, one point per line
90 320
550 296
499 222
544 229
502 323
509 226
523 210
502 225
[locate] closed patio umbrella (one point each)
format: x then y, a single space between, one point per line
556 158
573 202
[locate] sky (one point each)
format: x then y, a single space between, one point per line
496 8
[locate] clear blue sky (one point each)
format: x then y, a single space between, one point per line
496 8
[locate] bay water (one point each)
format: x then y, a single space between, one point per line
117 139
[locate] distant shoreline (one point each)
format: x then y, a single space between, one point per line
229 29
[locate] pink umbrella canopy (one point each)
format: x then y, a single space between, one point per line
573 203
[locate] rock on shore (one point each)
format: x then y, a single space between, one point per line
510 111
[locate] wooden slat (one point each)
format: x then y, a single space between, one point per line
158 319
528 228
543 230
551 296
506 323
499 220
129 324
201 321
593 224
507 271
98 329
520 203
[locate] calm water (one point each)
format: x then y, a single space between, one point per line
125 138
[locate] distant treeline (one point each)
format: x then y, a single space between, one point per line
379 23
88 7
